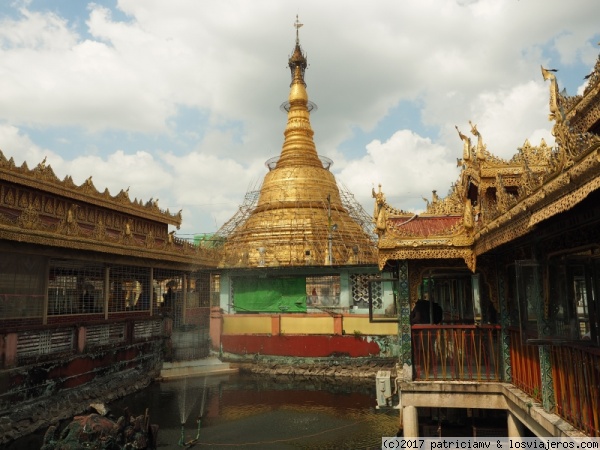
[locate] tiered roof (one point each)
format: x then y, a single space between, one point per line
495 201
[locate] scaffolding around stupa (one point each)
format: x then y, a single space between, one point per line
300 215
309 233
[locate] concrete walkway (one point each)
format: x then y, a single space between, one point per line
199 367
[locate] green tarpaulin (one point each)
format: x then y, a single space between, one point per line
269 294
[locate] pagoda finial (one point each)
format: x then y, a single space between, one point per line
297 62
297 25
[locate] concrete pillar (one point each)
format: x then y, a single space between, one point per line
46 283
216 327
275 325
106 291
81 339
515 427
345 290
10 349
151 293
184 303
410 421
225 299
337 324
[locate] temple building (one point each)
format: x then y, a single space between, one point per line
487 303
299 258
95 293
512 257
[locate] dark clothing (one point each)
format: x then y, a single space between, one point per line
168 298
87 302
144 301
421 313
491 313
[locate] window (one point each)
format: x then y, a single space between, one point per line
360 290
215 290
22 279
453 290
323 292
129 289
528 297
198 292
573 289
383 298
75 287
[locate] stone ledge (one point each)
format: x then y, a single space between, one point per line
346 368
200 367
494 395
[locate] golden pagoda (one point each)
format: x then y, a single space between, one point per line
299 218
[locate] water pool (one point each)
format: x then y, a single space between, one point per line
247 411
244 411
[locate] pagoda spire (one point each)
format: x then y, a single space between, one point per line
299 147
297 62
299 218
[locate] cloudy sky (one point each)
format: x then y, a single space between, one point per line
179 100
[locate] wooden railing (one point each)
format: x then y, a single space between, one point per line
456 352
576 375
525 362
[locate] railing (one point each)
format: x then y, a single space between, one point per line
525 361
576 375
456 352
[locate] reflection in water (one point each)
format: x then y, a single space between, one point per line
260 412
257 412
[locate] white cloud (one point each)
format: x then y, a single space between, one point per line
407 166
508 117
20 147
460 60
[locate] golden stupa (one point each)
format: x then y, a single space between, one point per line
299 218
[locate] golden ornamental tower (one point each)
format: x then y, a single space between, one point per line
299 218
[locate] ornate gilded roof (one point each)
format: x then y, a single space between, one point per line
299 218
495 201
43 177
441 231
38 208
582 111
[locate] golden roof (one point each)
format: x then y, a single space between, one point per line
38 208
496 201
299 218
42 177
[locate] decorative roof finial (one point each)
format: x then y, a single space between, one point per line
297 25
297 62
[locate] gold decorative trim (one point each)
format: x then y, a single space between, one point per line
504 200
465 254
43 178
29 218
564 203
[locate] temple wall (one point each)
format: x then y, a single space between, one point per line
247 324
39 390
306 335
303 324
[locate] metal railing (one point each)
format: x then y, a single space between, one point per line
456 352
